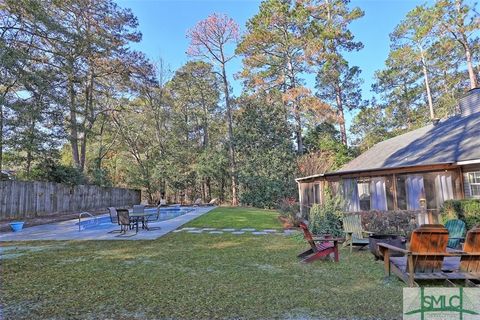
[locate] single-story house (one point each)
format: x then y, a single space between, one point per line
417 170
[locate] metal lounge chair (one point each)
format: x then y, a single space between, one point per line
113 214
354 233
423 260
456 231
319 247
213 202
113 218
152 218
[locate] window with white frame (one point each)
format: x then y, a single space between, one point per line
474 183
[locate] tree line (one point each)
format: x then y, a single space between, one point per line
79 105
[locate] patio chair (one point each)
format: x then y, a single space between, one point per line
113 218
470 259
456 232
113 214
152 218
423 260
124 220
319 247
354 233
138 208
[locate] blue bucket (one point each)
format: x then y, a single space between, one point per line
17 225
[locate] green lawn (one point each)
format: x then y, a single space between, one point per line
225 217
192 276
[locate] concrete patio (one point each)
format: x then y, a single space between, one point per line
68 230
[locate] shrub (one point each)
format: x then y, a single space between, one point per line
50 170
326 218
467 210
389 222
289 209
263 193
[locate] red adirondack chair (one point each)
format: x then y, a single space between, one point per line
319 247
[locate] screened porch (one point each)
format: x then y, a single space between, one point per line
417 191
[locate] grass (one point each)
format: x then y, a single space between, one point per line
238 218
189 276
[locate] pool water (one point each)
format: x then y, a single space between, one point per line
105 223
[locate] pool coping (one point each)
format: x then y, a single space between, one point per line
68 230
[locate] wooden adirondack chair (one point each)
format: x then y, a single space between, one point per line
467 265
423 260
456 231
470 261
354 233
319 247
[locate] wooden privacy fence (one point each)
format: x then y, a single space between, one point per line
22 199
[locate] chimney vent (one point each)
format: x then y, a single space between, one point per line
470 103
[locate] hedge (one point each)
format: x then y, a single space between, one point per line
467 210
389 222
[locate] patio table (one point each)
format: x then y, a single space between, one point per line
140 216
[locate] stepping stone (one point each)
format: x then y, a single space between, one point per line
178 230
194 231
288 232
248 229
238 232
258 233
269 230
209 229
189 228
216 232
228 230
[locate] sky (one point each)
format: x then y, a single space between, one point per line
164 24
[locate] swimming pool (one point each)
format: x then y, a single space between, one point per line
104 222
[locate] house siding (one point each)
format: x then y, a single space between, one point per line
466 185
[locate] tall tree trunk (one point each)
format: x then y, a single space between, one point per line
296 107
471 71
463 39
341 114
88 121
298 131
203 189
73 137
222 189
204 120
427 84
231 144
31 137
209 189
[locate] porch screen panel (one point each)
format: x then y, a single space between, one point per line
350 195
415 191
444 188
378 195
